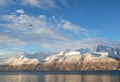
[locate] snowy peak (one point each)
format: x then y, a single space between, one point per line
21 60
62 56
39 56
68 55
83 50
112 51
98 51
104 48
68 52
100 48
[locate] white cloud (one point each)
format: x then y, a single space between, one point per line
71 27
5 38
31 2
43 4
21 11
68 26
40 31
45 45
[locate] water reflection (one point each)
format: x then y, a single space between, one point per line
19 78
58 78
81 78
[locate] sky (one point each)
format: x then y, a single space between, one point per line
54 25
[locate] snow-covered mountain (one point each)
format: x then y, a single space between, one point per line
39 56
112 52
64 56
97 57
3 58
99 51
21 59
102 50
95 52
83 50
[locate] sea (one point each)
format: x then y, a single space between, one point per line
53 76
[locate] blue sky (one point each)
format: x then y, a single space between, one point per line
53 25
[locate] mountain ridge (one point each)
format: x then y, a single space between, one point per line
100 57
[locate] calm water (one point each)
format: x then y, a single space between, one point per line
89 76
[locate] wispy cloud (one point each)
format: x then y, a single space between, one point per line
74 28
41 4
44 4
40 31
6 2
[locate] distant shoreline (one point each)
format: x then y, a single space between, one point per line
86 72
80 71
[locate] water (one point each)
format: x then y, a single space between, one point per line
88 76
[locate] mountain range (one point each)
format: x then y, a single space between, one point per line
99 57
